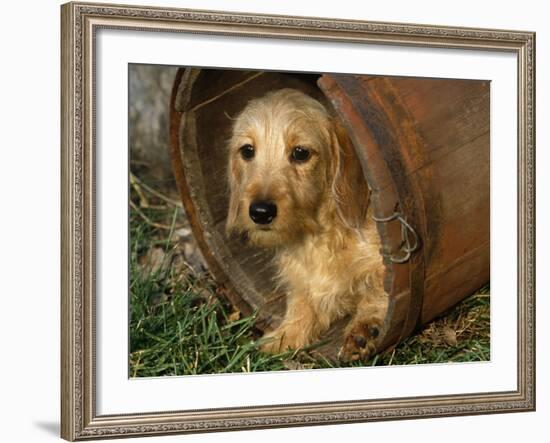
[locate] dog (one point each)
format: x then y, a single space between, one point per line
296 187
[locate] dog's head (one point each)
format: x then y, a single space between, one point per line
290 162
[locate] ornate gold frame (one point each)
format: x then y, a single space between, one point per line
79 420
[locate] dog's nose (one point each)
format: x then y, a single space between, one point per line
262 212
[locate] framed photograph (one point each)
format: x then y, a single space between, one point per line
282 221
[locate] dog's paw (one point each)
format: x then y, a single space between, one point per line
282 339
361 341
271 343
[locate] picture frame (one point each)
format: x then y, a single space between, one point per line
80 243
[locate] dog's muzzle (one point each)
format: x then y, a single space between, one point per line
262 212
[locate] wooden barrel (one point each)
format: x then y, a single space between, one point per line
424 148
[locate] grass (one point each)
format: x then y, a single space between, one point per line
180 325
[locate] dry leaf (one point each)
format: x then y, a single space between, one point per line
234 316
152 261
449 335
184 233
155 258
292 365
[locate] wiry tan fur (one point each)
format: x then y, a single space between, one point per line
327 248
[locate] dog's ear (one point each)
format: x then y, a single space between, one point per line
349 187
234 198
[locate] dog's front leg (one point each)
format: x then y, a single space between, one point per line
300 327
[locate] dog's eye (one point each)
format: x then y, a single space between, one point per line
300 154
247 152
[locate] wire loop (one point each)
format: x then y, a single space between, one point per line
406 245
